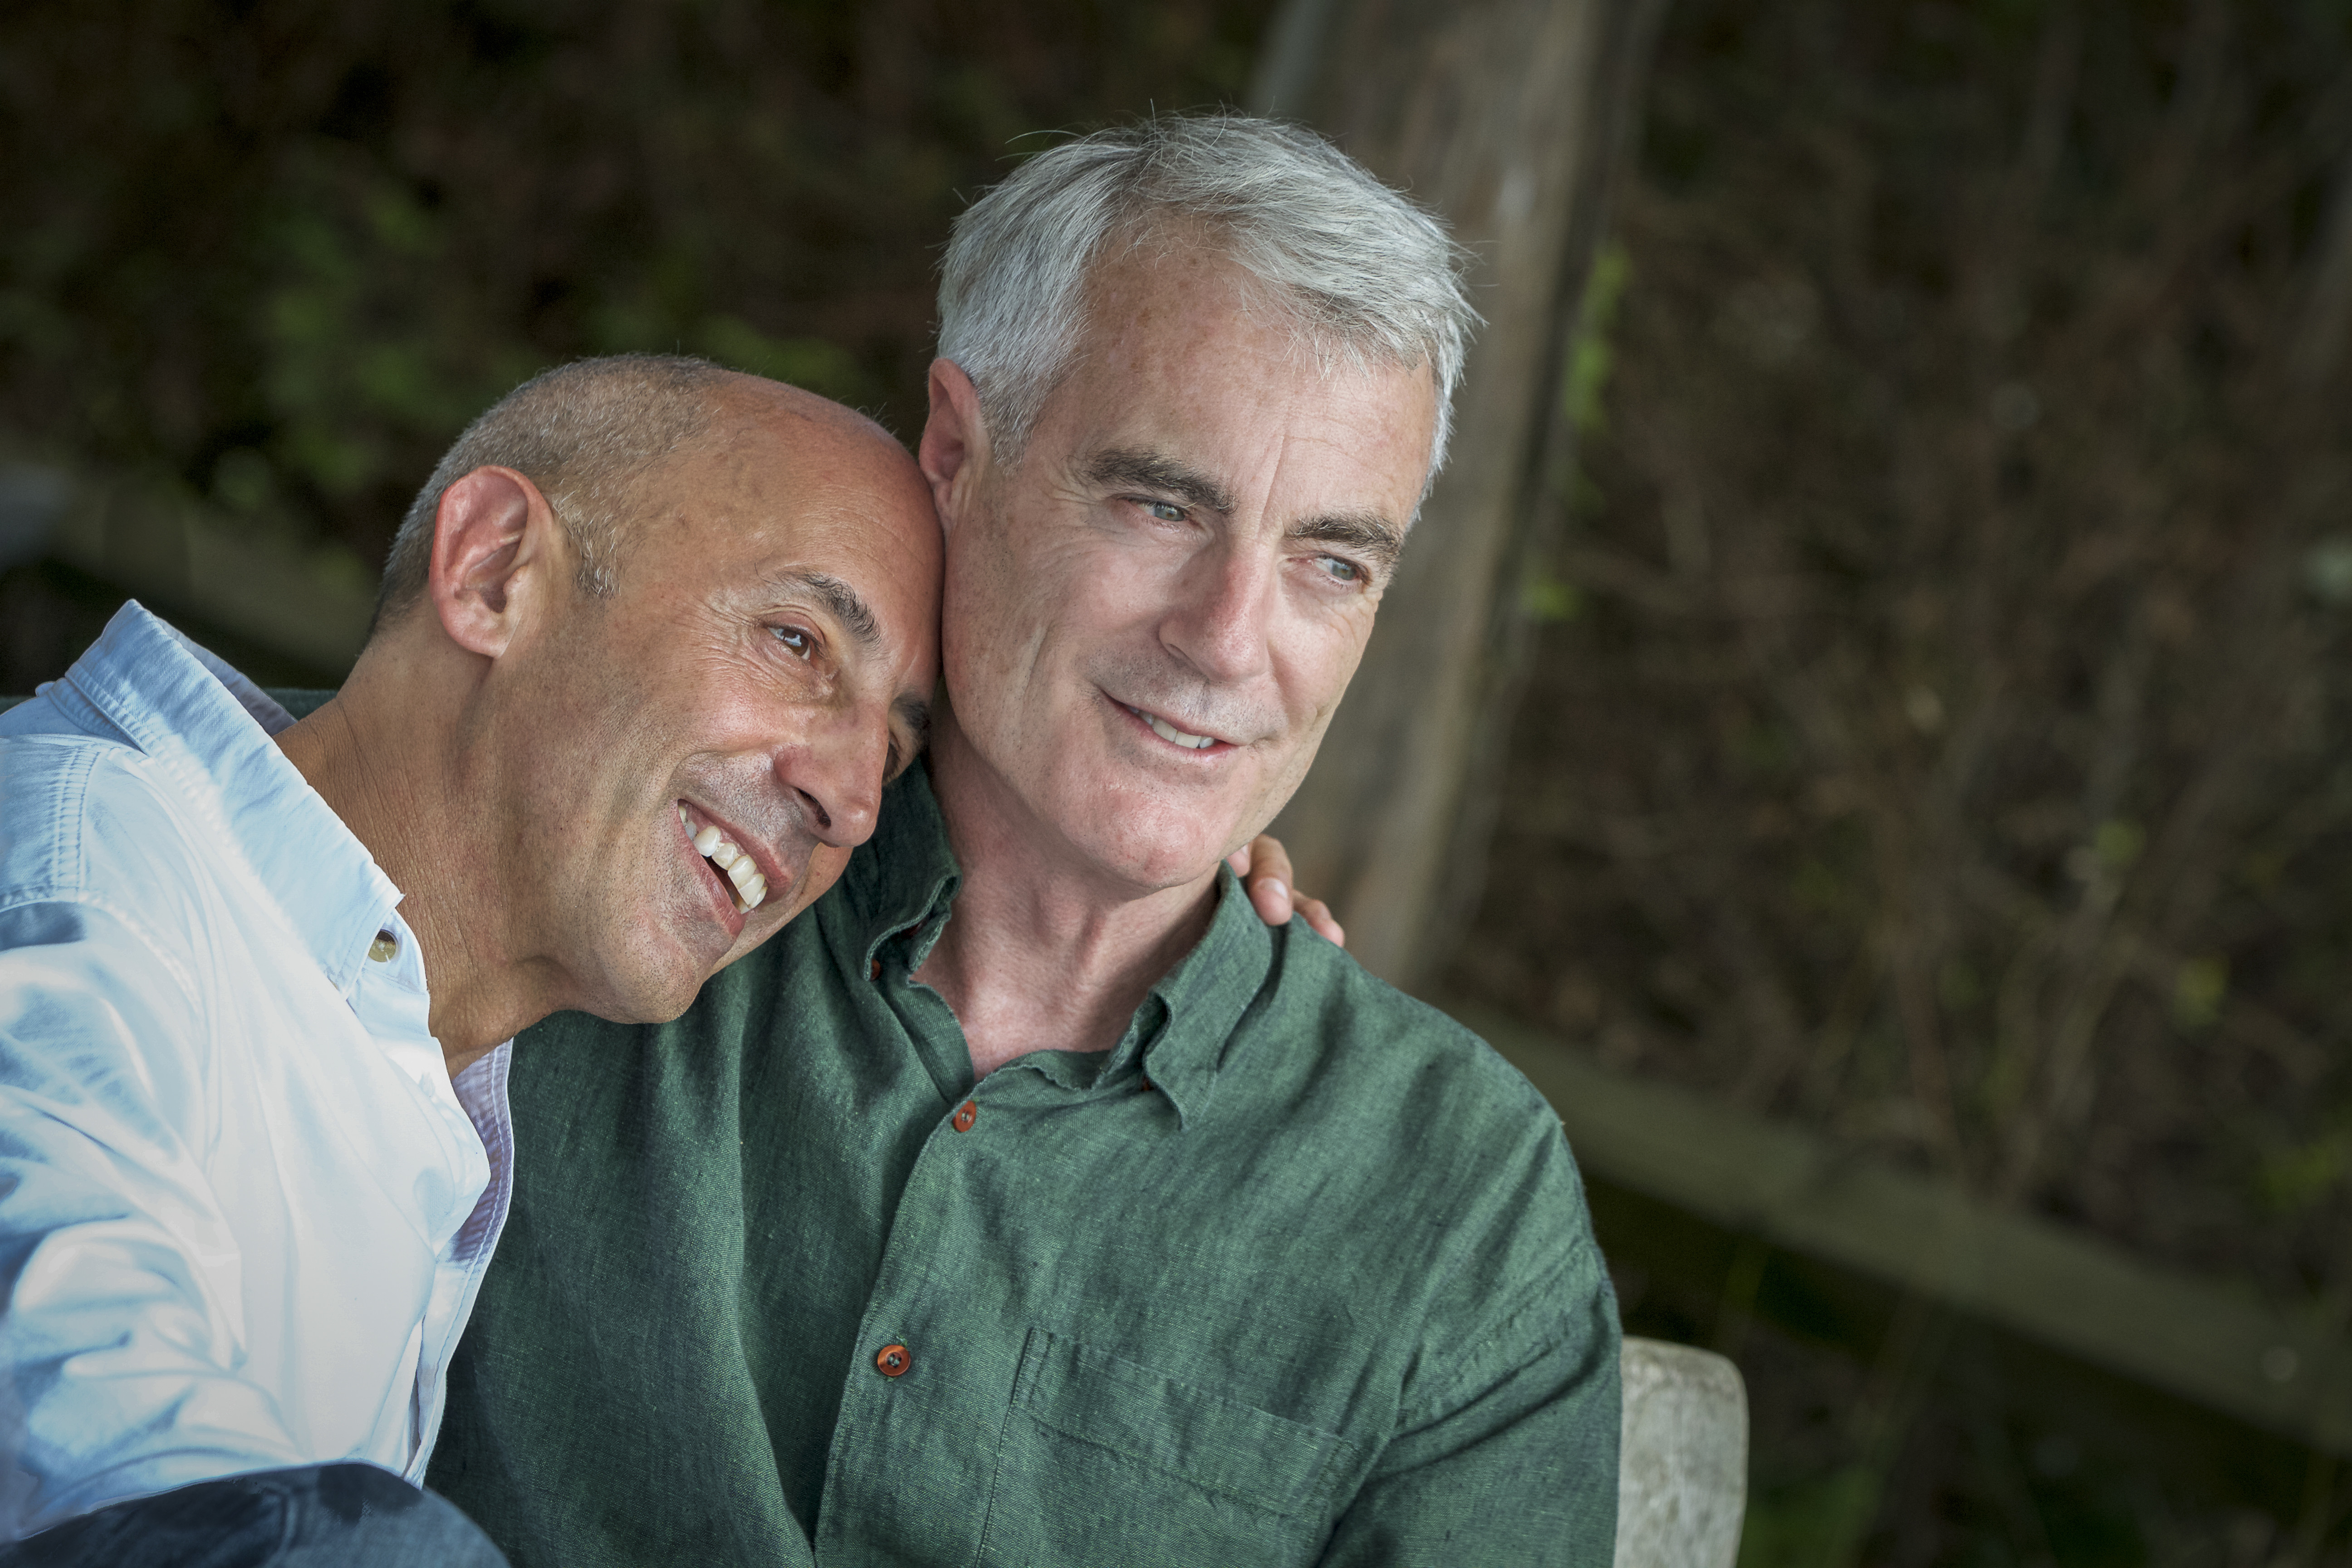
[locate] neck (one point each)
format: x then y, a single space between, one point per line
385 759
1045 952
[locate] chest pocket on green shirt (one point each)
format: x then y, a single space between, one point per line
1104 1459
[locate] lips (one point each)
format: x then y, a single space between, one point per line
737 870
1170 732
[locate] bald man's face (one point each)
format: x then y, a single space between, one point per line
701 751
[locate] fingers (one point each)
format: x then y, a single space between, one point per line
1265 869
1318 916
1271 897
1265 857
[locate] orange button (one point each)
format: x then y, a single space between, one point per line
892 1360
966 1114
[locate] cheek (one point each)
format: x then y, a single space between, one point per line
1320 661
1002 609
827 863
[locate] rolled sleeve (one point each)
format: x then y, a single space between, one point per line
1506 1434
1521 1469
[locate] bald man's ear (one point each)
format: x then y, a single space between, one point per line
496 554
954 451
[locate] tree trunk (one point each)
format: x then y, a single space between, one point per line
1506 116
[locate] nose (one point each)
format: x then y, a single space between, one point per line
836 771
1221 624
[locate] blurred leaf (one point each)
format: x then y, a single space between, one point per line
1589 360
2119 843
1550 601
2296 1178
2198 990
1809 1524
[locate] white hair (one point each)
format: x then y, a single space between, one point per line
1364 274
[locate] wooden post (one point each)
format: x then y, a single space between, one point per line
1506 116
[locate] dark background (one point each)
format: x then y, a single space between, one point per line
1936 737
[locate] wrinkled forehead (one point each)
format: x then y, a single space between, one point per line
1168 324
764 501
1183 365
767 461
1166 256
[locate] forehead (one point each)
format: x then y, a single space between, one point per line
775 498
763 479
1179 339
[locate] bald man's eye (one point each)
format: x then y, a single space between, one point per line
1342 571
798 643
1166 512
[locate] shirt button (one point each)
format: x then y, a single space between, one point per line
877 970
892 1360
384 948
966 1114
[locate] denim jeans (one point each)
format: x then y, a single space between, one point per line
319 1515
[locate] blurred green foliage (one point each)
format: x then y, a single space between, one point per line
277 254
1948 747
1589 362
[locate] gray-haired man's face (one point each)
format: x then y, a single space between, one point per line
1151 619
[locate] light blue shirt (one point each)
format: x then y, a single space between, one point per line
243 1210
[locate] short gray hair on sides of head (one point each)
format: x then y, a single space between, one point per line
1365 275
585 433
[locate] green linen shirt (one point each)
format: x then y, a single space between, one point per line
1301 1271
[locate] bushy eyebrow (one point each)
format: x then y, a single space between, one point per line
1368 532
846 604
1127 466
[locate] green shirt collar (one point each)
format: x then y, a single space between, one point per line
903 882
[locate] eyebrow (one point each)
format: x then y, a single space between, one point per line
1367 531
1151 471
846 603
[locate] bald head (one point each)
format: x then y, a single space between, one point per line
646 609
589 435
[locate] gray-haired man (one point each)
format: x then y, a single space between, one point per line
1033 1203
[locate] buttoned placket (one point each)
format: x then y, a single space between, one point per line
389 997
906 1339
903 1337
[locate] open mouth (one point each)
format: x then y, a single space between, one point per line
1169 733
737 871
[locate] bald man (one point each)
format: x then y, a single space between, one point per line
653 639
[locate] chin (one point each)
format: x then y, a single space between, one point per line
1134 827
651 985
1155 860
633 1006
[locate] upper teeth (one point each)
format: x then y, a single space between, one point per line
749 887
1167 731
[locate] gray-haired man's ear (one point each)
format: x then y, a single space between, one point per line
954 450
